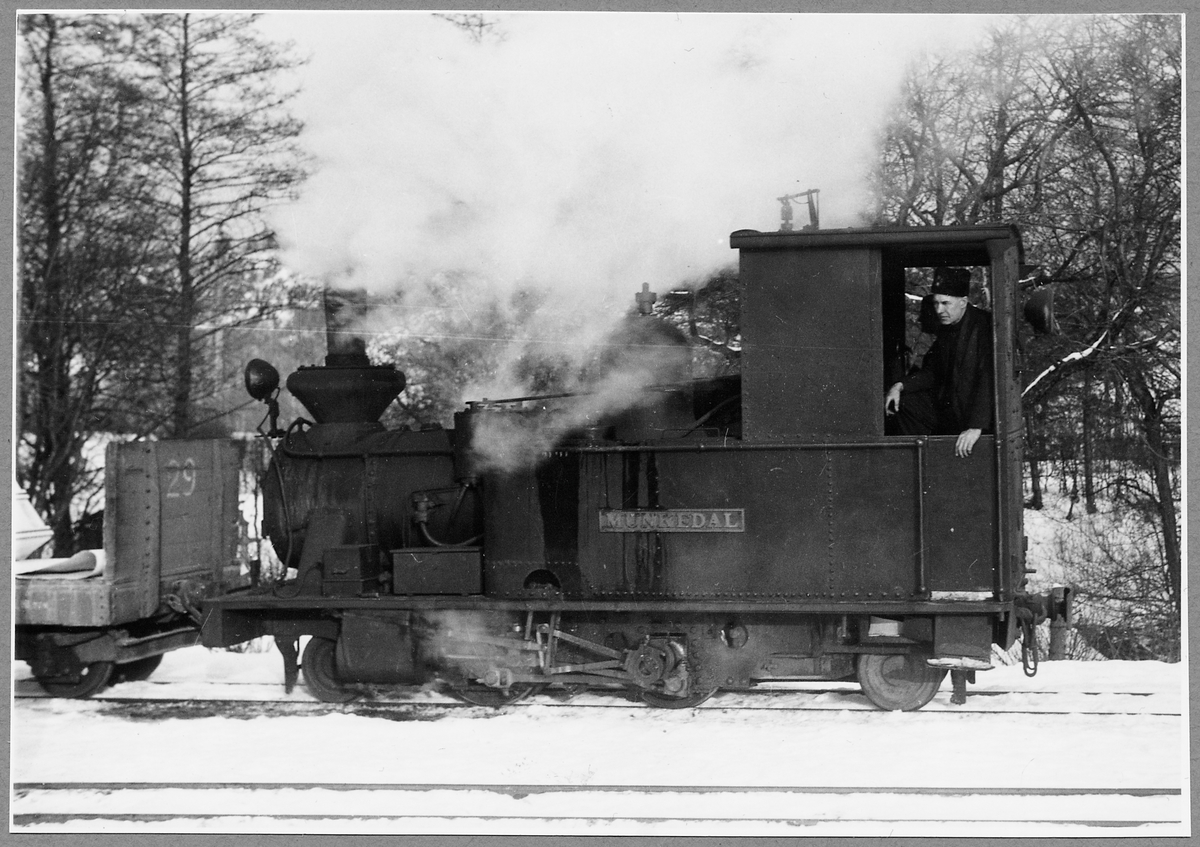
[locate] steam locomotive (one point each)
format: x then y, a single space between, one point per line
711 534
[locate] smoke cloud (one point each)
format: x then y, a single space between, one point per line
578 154
510 441
588 152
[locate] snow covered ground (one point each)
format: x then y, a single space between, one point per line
1037 760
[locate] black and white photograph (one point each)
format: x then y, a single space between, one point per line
648 423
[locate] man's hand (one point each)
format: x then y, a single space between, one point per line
891 403
966 441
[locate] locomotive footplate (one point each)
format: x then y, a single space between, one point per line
673 659
268 601
670 652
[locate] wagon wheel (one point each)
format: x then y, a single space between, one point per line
898 682
484 695
139 669
92 678
666 701
319 664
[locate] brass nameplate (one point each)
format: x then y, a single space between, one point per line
672 520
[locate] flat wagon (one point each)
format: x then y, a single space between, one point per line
170 541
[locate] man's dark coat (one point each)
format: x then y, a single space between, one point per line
957 374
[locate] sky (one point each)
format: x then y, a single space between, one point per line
584 152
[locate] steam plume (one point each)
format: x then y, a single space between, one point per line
581 154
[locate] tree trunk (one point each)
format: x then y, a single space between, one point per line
1160 470
181 412
1035 473
52 389
1089 484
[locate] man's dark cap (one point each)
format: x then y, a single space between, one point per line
953 282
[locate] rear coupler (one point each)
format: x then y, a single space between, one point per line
1033 609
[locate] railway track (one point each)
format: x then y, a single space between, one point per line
594 764
593 809
231 701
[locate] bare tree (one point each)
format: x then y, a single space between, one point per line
86 247
477 27
709 315
221 152
1072 129
148 150
966 135
1117 227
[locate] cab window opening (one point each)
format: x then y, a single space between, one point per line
939 351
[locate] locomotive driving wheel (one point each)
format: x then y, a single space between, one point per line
484 695
319 664
898 682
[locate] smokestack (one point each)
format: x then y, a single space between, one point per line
348 389
343 311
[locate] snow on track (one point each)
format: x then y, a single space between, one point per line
786 761
610 810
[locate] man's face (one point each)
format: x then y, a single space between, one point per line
949 309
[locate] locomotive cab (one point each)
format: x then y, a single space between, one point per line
830 320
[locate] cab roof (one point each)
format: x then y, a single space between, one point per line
923 246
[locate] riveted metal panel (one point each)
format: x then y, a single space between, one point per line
197 486
813 356
960 516
92 602
1005 256
437 570
131 521
817 524
48 602
533 528
875 522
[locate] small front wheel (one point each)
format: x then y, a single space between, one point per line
92 678
319 664
898 682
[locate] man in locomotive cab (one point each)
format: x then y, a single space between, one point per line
951 393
